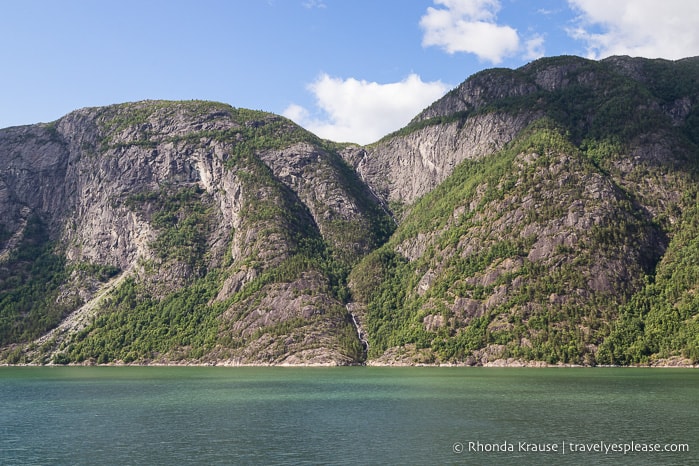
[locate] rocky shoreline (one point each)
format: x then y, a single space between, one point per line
669 363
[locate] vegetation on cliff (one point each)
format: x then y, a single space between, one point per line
573 244
545 214
222 241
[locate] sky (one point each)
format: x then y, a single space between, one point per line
347 70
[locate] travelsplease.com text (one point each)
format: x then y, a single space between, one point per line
565 447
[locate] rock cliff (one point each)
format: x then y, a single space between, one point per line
236 215
544 214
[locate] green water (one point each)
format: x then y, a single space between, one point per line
358 415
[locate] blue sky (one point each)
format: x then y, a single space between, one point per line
348 70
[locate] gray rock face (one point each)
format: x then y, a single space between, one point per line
34 158
334 195
102 179
403 168
99 179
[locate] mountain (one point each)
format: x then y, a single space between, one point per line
567 218
180 231
547 214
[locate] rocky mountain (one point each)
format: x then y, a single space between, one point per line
179 231
547 214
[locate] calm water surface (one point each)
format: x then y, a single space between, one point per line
357 415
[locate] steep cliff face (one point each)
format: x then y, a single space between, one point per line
33 157
547 213
402 168
212 213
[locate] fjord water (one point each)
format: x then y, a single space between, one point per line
354 415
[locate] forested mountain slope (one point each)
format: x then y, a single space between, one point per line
544 214
572 240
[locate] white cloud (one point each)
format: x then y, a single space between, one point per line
314 4
646 28
296 113
535 48
361 111
469 26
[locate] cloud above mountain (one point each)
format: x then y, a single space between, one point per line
354 110
360 111
646 28
469 26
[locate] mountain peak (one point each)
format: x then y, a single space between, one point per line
543 214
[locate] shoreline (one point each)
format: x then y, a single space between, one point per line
495 364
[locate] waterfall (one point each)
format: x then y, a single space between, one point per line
360 332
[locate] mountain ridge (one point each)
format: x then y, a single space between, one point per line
544 215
